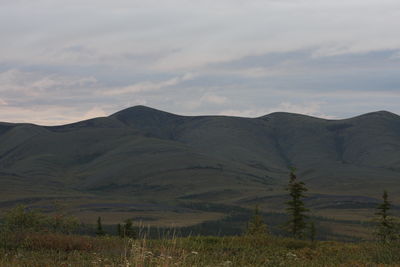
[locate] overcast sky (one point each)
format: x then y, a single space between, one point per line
63 61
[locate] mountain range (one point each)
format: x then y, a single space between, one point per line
144 155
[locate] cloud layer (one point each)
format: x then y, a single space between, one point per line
63 61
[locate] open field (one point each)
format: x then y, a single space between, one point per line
49 250
205 218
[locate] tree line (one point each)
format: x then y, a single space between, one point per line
387 227
299 225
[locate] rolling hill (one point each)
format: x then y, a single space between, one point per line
144 155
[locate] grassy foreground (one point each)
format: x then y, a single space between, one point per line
50 250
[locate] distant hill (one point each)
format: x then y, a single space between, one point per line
144 154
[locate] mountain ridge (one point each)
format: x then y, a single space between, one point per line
146 155
141 109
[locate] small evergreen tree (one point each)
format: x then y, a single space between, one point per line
296 209
313 231
100 231
119 230
386 227
128 230
256 225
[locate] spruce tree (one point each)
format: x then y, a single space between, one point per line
128 229
313 231
99 231
296 209
256 225
386 228
119 230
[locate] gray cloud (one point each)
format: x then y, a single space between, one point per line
66 60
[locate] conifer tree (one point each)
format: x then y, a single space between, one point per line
296 209
386 227
313 231
256 225
119 230
128 229
99 231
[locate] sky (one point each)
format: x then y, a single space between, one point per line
64 61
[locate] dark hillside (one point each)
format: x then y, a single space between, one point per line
145 155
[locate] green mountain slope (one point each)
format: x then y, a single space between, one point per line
146 155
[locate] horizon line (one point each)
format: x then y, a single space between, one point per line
220 115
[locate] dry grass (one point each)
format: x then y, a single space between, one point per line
49 250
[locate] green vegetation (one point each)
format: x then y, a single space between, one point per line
29 238
256 226
100 231
49 250
128 229
296 209
21 219
313 231
387 230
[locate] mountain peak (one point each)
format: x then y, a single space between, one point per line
382 113
288 115
379 114
141 111
145 117
138 108
376 114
